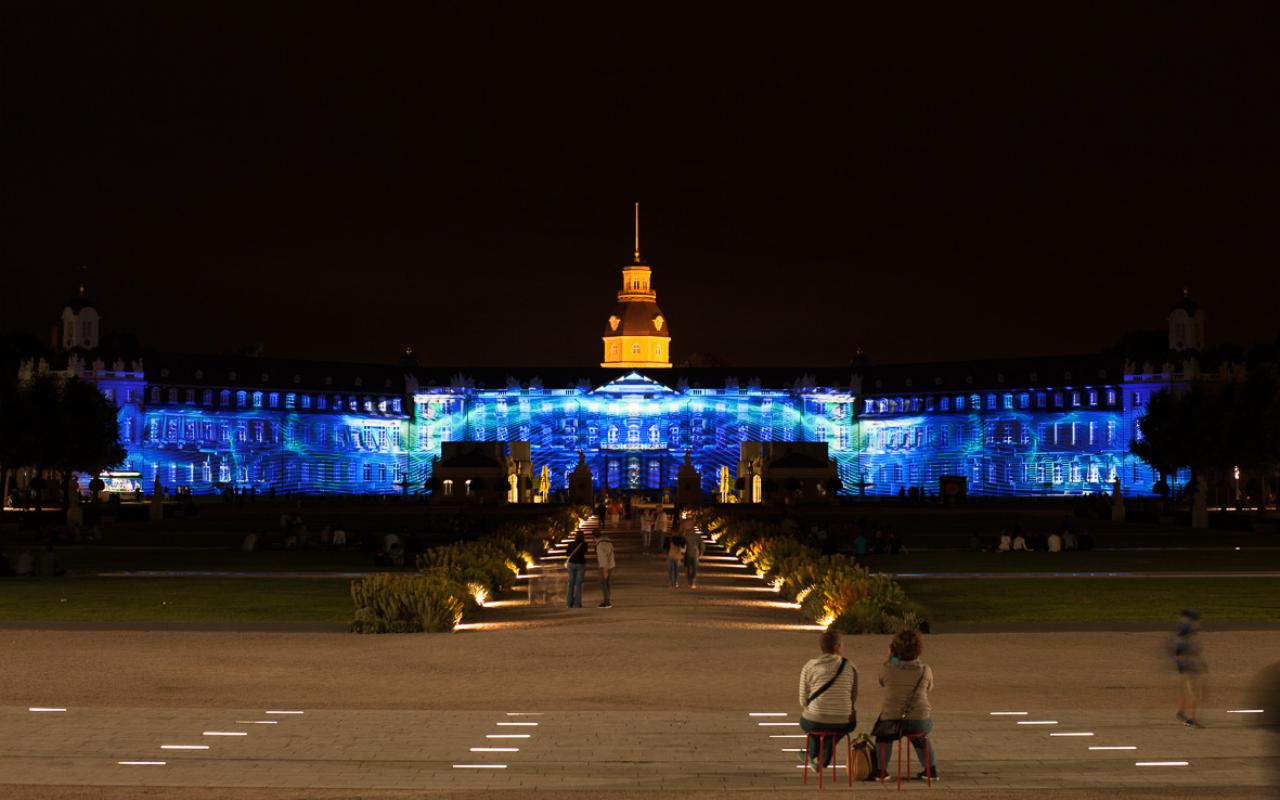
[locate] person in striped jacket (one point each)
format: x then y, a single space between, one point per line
828 696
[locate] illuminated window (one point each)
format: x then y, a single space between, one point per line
1057 399
657 350
191 397
173 395
613 434
290 400
206 398
1008 401
367 472
1111 397
1075 398
946 404
960 403
1093 397
304 401
273 400
321 402
1040 399
635 349
613 350
257 399
1024 400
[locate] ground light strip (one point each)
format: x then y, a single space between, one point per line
507 736
767 714
495 749
256 722
1115 747
224 733
515 723
184 747
1229 711
1037 722
39 709
479 766
1071 734
285 712
775 724
1008 713
787 735
1161 763
142 763
524 713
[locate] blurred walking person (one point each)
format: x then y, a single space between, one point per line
674 544
1188 658
577 564
692 549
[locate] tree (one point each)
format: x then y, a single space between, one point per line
56 424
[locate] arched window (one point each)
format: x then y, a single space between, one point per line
257 399
613 434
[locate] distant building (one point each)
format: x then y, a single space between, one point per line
1008 427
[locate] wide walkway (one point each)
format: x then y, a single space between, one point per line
687 692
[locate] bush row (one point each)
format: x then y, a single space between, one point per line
455 578
834 591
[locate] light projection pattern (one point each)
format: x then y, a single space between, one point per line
634 434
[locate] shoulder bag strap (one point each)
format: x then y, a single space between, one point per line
827 685
911 697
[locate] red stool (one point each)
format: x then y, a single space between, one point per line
904 743
834 737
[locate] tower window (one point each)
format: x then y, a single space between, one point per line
613 350
657 350
635 349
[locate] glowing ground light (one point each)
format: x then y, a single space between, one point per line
1037 722
775 724
256 722
479 766
1161 763
142 763
516 723
1008 713
767 714
224 733
184 747
42 710
285 712
1114 747
1071 734
495 749
1229 711
507 736
787 735
525 713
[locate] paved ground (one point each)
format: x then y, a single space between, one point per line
653 696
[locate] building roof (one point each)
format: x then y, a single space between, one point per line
636 318
187 369
473 459
995 373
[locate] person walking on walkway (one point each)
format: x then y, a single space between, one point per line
828 699
1188 658
604 557
646 528
577 564
692 549
674 544
907 682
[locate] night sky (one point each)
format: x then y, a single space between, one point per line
337 181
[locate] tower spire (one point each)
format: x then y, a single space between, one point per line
637 232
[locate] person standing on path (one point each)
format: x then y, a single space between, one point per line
828 696
692 550
646 528
1188 658
577 564
674 544
604 557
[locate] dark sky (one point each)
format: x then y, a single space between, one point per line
927 182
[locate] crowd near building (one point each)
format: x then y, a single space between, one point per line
206 424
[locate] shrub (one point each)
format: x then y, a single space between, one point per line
394 603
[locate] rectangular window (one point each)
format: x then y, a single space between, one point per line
1093 397
1111 397
946 404
290 400
273 400
368 472
960 403
1040 400
1008 401
1075 399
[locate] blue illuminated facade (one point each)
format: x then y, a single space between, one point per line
1051 426
207 424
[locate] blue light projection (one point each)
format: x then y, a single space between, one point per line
634 433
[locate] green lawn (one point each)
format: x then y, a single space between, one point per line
1091 561
224 600
1101 600
114 559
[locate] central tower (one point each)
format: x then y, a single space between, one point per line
637 334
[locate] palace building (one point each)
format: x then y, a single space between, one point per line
1025 427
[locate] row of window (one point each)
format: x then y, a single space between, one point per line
996 472
286 400
302 472
992 402
173 429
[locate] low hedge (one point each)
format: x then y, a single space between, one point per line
455 578
834 591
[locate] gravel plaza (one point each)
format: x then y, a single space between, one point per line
675 693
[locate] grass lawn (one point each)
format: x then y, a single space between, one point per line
244 600
1091 561
1101 600
115 559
